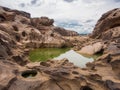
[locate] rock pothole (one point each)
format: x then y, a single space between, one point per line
86 88
29 74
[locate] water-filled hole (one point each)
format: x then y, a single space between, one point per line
85 88
29 73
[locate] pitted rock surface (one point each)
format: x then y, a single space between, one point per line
19 34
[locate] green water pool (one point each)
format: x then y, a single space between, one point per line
44 54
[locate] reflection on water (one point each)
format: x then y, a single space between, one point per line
44 54
75 58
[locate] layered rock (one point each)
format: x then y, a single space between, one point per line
27 28
57 75
19 33
107 31
108 26
105 68
64 32
43 21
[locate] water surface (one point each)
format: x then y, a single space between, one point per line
75 58
44 54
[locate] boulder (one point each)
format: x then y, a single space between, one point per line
64 32
92 49
108 25
43 21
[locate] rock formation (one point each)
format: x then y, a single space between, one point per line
19 33
35 30
92 49
108 26
107 31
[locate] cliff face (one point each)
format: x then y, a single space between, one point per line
19 33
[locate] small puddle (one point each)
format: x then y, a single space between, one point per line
44 54
29 74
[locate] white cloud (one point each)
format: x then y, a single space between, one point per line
62 10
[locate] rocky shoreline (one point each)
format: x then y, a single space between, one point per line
20 33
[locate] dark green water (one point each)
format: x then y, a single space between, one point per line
44 54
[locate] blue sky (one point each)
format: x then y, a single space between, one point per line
64 10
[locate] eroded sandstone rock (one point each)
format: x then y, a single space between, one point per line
92 49
22 34
43 21
108 25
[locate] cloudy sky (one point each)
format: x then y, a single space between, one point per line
79 12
